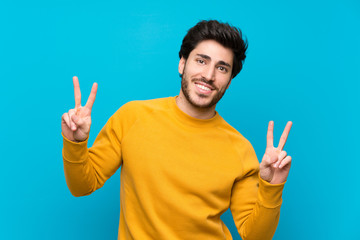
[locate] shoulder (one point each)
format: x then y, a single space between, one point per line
234 135
130 113
142 107
241 145
158 103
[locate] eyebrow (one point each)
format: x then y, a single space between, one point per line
209 58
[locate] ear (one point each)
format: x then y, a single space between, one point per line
181 65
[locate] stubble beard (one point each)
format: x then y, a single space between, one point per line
185 89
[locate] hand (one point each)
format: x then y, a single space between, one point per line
275 165
75 124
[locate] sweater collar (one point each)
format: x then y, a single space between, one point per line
189 120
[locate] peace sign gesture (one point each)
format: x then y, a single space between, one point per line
275 165
75 124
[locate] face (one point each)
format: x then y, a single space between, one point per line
206 74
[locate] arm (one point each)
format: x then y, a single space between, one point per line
87 169
255 202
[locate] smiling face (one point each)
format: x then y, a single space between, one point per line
206 74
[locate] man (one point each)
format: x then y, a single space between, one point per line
183 166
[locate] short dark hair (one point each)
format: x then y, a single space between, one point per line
223 33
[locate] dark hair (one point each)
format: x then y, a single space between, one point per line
223 33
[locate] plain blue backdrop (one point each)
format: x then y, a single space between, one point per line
302 65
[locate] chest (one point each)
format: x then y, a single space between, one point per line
157 151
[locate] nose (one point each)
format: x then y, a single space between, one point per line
209 73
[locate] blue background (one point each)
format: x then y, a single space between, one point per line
302 65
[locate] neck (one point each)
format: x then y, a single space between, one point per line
193 111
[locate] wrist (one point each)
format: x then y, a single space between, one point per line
270 195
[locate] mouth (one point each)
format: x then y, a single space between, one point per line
204 88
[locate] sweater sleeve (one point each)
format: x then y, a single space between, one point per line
255 203
87 169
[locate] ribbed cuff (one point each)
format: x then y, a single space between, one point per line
75 152
270 195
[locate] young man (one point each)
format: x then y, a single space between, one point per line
183 166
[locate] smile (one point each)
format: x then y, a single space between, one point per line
203 88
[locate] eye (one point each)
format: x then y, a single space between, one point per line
223 69
200 61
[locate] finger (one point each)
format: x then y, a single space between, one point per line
73 126
270 135
285 162
91 99
284 135
281 156
65 119
268 160
77 92
77 120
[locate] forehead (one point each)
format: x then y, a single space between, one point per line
214 50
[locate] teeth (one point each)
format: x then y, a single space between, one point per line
203 87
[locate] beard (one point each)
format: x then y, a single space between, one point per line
185 89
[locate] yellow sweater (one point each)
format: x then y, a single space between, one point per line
178 176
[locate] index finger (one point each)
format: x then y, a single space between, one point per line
77 92
285 135
91 99
270 135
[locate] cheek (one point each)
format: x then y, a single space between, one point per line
192 71
225 83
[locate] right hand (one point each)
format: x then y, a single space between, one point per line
75 124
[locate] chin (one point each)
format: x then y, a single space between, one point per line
200 101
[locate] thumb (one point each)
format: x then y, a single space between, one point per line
77 120
273 158
268 160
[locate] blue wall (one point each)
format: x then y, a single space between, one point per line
302 65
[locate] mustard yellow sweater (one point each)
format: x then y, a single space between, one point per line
178 175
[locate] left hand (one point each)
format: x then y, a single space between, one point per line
275 164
